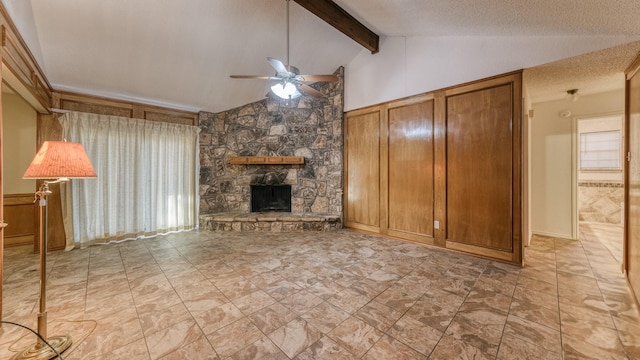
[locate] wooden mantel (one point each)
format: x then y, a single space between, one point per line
266 160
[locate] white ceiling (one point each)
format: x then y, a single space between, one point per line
180 53
496 17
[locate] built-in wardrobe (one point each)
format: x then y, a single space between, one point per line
442 168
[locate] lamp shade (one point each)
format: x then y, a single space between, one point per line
60 159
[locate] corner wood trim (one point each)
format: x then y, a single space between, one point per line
633 68
266 160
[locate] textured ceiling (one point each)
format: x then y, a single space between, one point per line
590 73
180 53
497 17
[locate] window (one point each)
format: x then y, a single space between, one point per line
600 150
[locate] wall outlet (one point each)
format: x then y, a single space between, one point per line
436 224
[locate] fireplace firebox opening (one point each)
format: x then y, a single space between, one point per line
270 198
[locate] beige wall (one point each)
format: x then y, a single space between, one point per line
553 171
19 143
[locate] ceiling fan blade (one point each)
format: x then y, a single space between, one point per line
314 78
310 91
278 65
254 77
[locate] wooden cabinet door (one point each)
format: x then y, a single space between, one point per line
410 170
483 169
632 179
362 170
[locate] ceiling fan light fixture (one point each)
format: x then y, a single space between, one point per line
291 85
286 90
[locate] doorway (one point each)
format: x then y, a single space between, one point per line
600 182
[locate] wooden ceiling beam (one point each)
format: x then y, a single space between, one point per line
337 17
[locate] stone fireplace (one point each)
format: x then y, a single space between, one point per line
308 128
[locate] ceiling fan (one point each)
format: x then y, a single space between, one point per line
290 84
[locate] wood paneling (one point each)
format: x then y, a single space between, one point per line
20 213
632 178
24 75
410 171
21 72
103 106
362 170
2 223
453 157
484 168
479 181
440 159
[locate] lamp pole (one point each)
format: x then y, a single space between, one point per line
42 195
54 345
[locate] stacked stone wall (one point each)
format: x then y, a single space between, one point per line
307 127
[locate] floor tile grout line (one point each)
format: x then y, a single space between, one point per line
120 249
247 316
191 315
609 310
395 322
508 314
560 322
159 258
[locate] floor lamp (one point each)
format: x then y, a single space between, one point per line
61 161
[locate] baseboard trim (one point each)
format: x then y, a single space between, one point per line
550 234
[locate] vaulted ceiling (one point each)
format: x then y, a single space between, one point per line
180 53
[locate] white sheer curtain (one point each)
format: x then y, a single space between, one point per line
147 179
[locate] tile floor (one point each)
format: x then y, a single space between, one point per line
609 234
341 295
